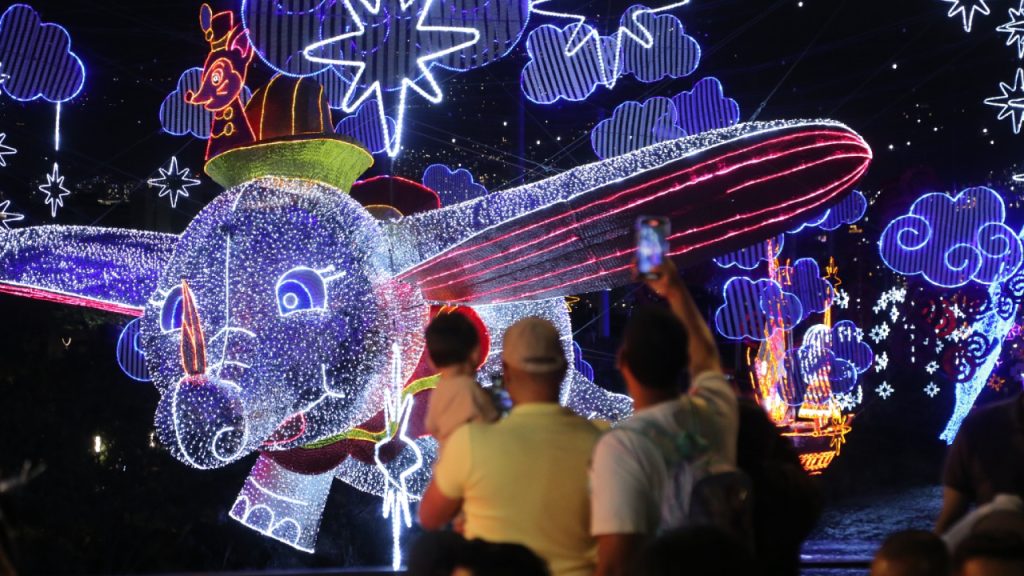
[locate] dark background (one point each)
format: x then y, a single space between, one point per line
901 73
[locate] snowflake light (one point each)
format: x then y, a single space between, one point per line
884 390
881 362
879 333
54 190
931 390
931 367
173 182
5 150
6 216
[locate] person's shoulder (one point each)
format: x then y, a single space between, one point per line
996 415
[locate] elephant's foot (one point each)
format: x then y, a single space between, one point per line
282 504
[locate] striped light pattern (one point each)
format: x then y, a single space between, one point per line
37 58
952 240
179 117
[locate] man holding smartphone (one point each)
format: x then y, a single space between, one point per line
636 465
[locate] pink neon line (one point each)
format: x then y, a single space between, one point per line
53 296
840 183
843 138
503 264
676 188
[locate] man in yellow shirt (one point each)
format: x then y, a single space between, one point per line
523 480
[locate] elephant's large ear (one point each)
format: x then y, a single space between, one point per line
104 268
573 233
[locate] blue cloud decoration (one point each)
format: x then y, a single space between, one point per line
804 280
37 57
452 186
180 118
635 125
849 210
364 127
952 240
755 309
750 257
666 51
559 70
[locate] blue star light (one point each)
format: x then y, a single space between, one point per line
1015 28
1011 102
55 198
173 182
7 217
381 61
5 150
967 8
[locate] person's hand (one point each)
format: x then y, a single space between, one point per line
664 279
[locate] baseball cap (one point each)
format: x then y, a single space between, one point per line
533 345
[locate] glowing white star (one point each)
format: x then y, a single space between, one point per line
5 150
1015 28
413 79
881 362
173 182
7 217
884 390
55 198
931 390
967 8
1011 103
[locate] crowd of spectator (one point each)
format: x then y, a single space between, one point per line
698 481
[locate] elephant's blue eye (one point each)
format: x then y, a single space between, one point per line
301 289
170 314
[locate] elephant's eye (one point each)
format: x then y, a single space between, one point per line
170 314
301 289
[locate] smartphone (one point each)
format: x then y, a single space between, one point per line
651 243
502 401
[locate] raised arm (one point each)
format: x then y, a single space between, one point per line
703 349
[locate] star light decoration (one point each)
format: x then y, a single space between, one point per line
1011 103
1015 28
5 150
966 9
54 197
173 182
7 217
931 390
884 390
378 58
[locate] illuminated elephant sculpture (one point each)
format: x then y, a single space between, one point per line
287 316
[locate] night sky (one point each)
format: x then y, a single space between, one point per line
901 73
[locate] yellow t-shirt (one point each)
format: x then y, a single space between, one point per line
523 480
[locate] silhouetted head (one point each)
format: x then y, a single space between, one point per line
911 553
654 351
990 553
533 361
452 339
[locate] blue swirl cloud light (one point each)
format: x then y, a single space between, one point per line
452 186
750 257
755 309
951 241
37 57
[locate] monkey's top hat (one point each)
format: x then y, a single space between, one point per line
294 137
